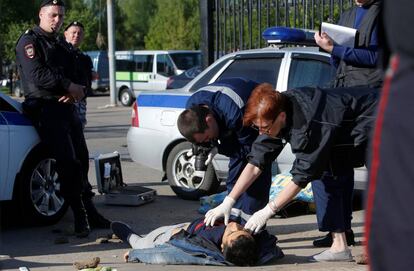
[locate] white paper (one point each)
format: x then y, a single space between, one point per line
341 35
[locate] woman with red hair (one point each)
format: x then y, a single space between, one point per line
328 131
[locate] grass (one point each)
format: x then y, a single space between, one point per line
5 90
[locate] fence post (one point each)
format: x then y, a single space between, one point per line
207 31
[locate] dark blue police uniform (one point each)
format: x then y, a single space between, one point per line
46 71
227 99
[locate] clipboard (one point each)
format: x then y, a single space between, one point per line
341 35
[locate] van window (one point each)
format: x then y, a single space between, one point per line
124 65
185 61
164 65
143 63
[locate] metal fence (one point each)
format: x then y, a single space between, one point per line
231 25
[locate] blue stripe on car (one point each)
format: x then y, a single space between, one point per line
175 101
16 118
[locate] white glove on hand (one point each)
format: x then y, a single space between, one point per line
211 155
223 209
259 219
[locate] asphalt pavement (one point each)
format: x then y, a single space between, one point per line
36 247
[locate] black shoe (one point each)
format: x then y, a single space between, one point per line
326 241
97 221
121 230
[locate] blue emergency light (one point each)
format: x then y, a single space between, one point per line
286 35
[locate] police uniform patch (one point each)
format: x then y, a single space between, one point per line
29 50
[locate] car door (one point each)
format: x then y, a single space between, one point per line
304 69
4 148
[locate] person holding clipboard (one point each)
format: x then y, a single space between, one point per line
356 65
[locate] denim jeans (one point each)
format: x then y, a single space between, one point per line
169 254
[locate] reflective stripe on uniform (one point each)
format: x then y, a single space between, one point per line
227 91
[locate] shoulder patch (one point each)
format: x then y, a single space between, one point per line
29 50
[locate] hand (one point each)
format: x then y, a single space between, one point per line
223 209
76 91
67 99
259 219
211 155
324 41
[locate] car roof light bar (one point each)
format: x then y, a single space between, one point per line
281 36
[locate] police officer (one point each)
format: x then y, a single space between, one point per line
73 35
215 114
46 70
83 74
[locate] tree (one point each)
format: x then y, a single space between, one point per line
136 22
176 25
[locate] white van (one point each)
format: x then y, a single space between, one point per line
138 71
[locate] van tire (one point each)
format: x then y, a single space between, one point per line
180 175
125 97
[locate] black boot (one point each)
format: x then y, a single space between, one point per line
326 241
96 220
81 219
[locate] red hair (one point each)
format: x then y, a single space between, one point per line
264 103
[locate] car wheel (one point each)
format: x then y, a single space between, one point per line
125 97
180 174
40 196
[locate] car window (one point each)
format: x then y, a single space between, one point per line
310 70
260 70
164 65
208 75
185 61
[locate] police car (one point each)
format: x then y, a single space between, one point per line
154 140
27 174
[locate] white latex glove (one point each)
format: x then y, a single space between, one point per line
211 155
223 209
259 219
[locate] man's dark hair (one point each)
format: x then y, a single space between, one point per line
242 251
192 121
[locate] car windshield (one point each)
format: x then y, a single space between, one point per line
185 61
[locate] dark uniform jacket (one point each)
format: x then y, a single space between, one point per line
349 75
328 130
45 67
227 99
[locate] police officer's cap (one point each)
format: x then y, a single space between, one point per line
52 3
74 23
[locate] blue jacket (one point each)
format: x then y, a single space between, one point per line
227 99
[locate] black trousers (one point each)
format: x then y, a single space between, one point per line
60 131
389 214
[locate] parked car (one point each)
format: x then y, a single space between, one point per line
154 140
27 173
179 81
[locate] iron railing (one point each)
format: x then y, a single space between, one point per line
232 25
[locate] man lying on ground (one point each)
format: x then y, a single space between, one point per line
237 245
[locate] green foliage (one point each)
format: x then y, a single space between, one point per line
136 22
175 25
11 34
